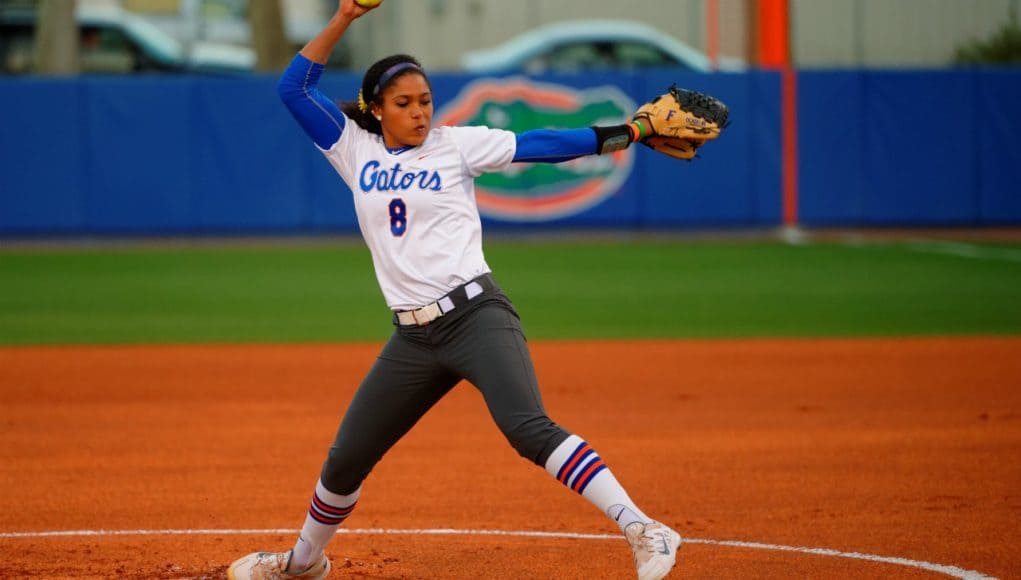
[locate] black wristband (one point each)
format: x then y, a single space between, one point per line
610 139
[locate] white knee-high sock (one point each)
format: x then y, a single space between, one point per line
575 464
325 514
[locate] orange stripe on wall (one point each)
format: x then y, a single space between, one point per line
789 120
774 46
775 53
712 32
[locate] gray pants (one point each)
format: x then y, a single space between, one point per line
481 342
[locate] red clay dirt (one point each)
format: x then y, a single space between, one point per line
902 448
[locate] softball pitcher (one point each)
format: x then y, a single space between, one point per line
414 195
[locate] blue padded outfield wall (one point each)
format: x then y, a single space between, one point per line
170 155
910 148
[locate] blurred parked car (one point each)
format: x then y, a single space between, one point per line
584 45
113 40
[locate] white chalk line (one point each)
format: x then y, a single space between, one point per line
964 250
941 247
952 571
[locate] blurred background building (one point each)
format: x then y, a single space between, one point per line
823 33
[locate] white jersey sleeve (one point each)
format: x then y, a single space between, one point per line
342 154
485 150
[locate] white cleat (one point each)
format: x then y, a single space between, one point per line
655 548
273 566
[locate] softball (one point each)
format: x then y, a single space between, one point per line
368 3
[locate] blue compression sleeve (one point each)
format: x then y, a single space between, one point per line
554 145
314 111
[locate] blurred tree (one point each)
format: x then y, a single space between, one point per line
56 38
272 50
1003 47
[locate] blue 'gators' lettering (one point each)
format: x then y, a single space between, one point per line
394 179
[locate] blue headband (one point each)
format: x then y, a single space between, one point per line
392 72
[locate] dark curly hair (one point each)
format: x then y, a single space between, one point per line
372 89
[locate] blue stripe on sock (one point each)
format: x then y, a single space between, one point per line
568 460
331 510
590 478
582 462
325 521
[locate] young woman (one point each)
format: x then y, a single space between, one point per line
414 195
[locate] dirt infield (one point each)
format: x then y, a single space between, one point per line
905 449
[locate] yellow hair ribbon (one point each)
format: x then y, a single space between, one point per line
362 106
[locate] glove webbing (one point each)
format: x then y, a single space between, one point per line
701 105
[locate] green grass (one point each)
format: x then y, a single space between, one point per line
562 290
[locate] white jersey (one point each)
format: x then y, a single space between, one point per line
416 207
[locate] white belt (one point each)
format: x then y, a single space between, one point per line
430 312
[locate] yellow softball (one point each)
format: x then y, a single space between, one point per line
368 3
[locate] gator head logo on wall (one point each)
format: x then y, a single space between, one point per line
543 191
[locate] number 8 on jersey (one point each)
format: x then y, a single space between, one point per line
398 217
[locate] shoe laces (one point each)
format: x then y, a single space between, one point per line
650 541
275 563
641 540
